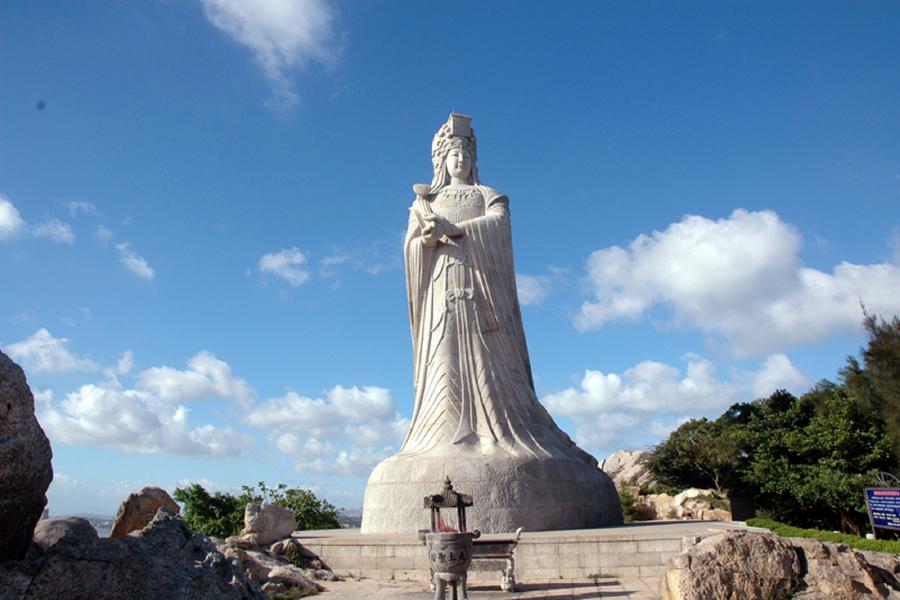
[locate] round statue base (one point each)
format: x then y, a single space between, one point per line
508 492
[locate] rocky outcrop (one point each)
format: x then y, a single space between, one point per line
628 468
285 567
162 562
264 524
139 509
748 565
734 565
692 503
25 471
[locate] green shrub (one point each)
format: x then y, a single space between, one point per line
219 514
632 509
859 543
222 514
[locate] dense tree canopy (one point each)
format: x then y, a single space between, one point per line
805 460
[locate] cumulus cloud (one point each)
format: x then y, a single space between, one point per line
55 231
282 34
533 289
347 432
738 279
134 262
286 264
205 377
654 397
341 406
11 222
134 420
43 353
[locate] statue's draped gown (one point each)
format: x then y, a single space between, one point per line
472 375
476 417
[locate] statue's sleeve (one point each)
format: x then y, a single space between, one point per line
489 240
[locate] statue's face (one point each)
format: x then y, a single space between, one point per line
459 163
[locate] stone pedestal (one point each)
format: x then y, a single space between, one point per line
536 493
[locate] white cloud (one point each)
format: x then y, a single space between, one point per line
79 206
285 264
652 397
206 376
10 220
43 353
738 279
353 405
55 230
133 261
283 35
135 421
125 363
345 433
778 372
649 386
533 289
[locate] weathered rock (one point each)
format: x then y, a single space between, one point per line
74 530
286 567
267 523
663 505
164 561
746 565
628 468
25 470
139 509
291 576
692 503
837 572
890 563
736 565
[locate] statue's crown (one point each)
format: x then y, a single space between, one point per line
455 133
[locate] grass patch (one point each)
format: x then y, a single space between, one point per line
595 577
892 546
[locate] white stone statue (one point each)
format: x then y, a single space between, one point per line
476 417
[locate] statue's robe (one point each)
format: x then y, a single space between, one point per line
472 375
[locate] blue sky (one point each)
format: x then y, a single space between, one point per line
203 204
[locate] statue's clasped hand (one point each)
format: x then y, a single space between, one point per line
437 228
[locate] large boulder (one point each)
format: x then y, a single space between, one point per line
164 561
749 565
139 509
266 523
837 572
25 470
74 530
628 468
736 565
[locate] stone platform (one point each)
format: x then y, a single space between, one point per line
634 551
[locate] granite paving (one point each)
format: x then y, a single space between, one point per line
558 589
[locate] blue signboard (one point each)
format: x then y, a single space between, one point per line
884 507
